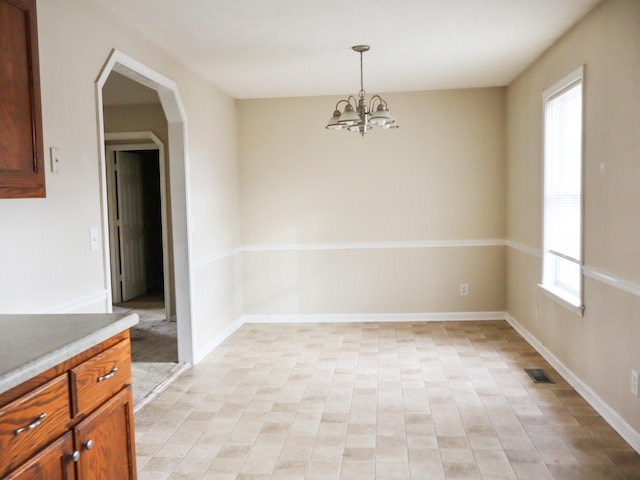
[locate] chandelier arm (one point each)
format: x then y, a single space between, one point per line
340 101
380 100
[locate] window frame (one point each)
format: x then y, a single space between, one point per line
566 298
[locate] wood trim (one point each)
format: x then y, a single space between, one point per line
131 434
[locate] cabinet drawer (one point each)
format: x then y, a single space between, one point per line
32 421
101 377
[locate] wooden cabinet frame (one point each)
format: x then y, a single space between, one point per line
21 147
97 442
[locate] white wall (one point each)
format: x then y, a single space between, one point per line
44 245
601 348
317 205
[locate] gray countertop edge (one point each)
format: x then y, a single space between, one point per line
74 347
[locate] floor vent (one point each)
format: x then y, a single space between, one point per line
538 375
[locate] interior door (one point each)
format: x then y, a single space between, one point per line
130 223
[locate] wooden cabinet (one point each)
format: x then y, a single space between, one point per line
21 150
33 420
73 422
99 378
104 441
53 463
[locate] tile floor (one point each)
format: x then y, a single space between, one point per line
385 401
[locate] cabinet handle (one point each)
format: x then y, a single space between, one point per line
31 426
75 456
113 371
88 445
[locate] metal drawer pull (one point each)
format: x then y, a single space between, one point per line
113 371
33 425
88 445
75 456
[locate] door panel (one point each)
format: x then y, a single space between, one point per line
131 224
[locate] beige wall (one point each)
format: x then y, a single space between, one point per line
317 205
44 246
136 118
600 348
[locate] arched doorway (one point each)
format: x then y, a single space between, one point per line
178 181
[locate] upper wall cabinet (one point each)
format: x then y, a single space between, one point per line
21 151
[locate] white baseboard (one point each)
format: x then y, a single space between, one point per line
614 419
374 317
201 353
77 304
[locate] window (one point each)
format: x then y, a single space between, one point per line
562 244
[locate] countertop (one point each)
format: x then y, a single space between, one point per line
31 344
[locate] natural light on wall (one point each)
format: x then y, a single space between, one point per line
562 249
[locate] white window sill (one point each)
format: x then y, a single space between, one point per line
570 302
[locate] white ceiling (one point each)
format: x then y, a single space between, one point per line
286 48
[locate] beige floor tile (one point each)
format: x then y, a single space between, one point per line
146 475
173 451
497 471
194 466
161 464
376 401
531 471
357 469
461 470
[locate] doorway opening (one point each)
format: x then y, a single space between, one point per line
141 277
130 273
135 224
138 221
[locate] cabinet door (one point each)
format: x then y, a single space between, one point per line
106 443
53 463
21 151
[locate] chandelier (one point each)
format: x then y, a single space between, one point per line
360 115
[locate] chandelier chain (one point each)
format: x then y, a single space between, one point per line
361 77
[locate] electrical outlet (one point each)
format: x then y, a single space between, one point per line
464 289
634 382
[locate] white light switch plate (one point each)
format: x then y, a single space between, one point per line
94 233
55 159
